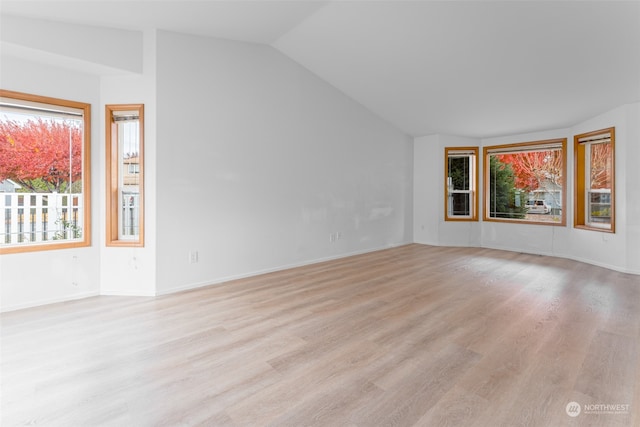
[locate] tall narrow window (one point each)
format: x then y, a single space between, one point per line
44 173
525 182
461 176
594 204
125 175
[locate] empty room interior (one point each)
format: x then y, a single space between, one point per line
331 213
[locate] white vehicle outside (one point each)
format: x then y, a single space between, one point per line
537 207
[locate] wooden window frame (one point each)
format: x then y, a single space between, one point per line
86 174
522 146
473 187
580 214
112 165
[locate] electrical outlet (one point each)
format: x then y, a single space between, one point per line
334 237
193 257
75 264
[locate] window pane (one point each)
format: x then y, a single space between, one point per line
525 182
505 201
600 207
461 204
125 155
42 146
459 172
600 165
129 176
599 193
594 187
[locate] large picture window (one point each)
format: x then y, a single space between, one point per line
461 177
525 182
44 173
594 194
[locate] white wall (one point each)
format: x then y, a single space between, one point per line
67 61
43 277
80 46
616 250
427 160
632 180
249 159
125 270
619 251
429 224
259 161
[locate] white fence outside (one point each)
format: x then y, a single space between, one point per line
40 217
129 221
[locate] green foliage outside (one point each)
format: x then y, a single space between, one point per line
459 172
502 191
67 230
459 169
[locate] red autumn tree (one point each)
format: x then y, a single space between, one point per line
40 155
532 168
601 166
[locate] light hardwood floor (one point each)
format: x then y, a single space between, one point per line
414 335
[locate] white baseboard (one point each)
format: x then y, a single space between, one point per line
271 270
603 265
571 257
40 302
127 293
47 301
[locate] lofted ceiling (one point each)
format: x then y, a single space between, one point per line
469 68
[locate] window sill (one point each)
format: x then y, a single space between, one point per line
590 228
